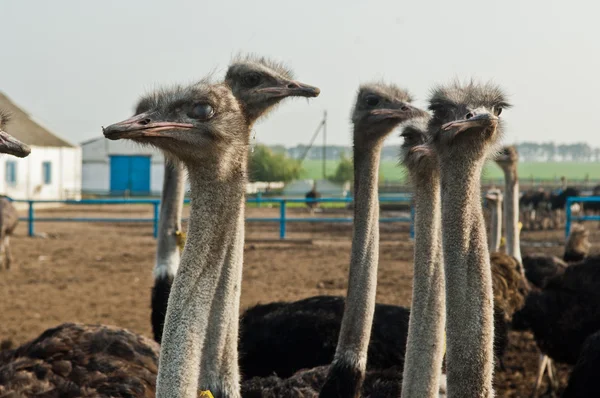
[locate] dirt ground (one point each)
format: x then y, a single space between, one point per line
102 273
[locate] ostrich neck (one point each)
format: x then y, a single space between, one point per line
167 251
511 209
495 226
355 331
203 306
469 298
424 348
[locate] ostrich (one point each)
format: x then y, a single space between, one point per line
209 132
259 84
563 314
9 218
462 147
313 194
282 338
74 360
170 234
583 382
379 108
539 268
494 198
425 349
508 159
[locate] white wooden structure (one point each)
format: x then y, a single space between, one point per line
51 171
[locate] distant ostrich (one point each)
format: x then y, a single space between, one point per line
259 84
313 194
495 198
9 217
462 147
583 381
563 314
539 268
532 204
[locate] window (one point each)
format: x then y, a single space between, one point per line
11 172
47 172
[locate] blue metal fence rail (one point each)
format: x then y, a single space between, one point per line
155 203
570 217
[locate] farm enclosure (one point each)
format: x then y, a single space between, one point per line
101 273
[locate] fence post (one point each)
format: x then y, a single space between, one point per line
30 219
412 221
282 219
258 199
155 221
568 221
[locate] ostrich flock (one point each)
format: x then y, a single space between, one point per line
467 292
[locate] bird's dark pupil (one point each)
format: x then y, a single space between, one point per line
252 80
372 101
498 111
202 111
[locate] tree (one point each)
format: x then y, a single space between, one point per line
269 167
344 171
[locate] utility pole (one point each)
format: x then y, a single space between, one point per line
325 145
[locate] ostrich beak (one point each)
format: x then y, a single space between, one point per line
402 111
12 146
480 120
142 126
292 89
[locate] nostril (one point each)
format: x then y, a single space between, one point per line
405 108
293 85
469 115
145 121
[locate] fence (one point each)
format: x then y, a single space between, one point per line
570 217
283 220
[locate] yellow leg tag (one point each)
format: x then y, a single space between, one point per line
205 394
180 235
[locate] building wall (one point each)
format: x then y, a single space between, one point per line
96 163
65 173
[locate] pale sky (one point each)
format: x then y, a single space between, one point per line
77 65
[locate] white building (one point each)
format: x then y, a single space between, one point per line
121 167
51 171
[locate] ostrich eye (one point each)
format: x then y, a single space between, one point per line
372 100
498 111
202 112
251 80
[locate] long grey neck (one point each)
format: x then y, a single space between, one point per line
469 297
203 309
495 226
425 345
353 341
169 223
511 209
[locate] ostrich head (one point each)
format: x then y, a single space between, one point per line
198 124
8 143
466 118
379 108
507 158
494 196
415 151
259 84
